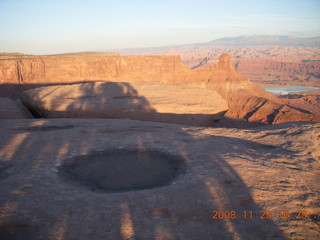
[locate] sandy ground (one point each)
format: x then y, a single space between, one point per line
261 183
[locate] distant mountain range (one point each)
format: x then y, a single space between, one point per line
240 41
265 40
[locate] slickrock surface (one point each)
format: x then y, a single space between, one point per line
9 109
149 102
273 168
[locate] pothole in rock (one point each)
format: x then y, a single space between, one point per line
125 170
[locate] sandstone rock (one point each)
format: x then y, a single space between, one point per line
258 109
266 65
9 109
274 70
101 66
222 78
308 101
149 102
247 101
272 168
92 67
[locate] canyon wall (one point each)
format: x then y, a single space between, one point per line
275 72
91 67
312 68
66 68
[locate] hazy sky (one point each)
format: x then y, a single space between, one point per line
57 26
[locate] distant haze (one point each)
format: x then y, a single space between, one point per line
240 41
266 40
45 27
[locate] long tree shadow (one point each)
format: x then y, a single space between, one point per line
36 203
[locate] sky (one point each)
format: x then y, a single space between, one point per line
59 26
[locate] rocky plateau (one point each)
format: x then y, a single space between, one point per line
143 147
246 101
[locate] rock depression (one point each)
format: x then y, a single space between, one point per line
122 170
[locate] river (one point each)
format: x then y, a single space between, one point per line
288 89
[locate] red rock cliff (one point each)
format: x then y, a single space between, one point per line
90 67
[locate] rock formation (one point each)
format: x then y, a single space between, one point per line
126 179
286 73
309 101
140 101
246 100
92 67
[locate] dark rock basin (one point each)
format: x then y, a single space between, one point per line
122 170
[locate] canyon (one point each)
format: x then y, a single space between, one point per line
264 65
246 101
266 60
104 146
